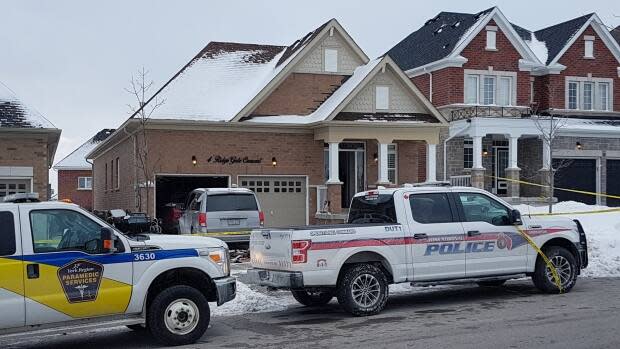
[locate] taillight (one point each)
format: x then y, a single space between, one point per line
300 251
261 218
202 219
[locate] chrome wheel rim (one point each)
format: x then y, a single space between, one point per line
181 316
563 268
365 290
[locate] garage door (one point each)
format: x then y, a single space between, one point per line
579 174
282 199
13 186
613 181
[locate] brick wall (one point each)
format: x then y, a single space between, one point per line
604 65
111 198
299 94
68 188
31 151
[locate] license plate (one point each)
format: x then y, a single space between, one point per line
234 221
263 275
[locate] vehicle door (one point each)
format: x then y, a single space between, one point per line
66 274
494 246
437 237
232 211
11 275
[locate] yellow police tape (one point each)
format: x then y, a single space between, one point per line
555 188
576 213
554 272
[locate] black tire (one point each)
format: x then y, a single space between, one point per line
313 297
156 315
137 327
491 283
351 279
557 255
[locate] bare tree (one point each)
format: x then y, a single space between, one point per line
140 87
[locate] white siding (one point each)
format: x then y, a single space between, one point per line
313 62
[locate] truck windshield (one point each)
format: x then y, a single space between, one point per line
231 202
372 209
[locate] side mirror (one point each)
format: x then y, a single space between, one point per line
515 217
107 241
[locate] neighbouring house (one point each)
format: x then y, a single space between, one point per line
28 143
304 126
75 173
494 81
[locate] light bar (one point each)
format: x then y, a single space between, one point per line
22 197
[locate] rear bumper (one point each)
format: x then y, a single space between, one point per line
277 279
226 289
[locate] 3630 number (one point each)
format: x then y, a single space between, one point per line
139 257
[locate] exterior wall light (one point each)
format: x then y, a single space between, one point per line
375 157
274 161
485 152
578 146
194 160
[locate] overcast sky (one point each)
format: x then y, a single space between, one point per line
72 59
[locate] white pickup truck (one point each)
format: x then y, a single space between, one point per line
420 235
63 268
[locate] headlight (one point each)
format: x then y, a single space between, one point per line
219 256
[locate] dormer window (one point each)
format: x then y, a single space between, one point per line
588 46
331 60
491 38
382 97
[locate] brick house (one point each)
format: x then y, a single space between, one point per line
498 84
304 126
75 175
28 143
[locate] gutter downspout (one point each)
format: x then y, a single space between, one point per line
445 143
430 86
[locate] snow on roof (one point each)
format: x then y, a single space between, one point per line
592 125
15 114
538 47
218 82
77 159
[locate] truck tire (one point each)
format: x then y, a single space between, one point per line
178 315
313 297
491 283
363 290
566 266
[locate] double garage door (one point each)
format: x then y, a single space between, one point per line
578 174
282 199
13 186
613 181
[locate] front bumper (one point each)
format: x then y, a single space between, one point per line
274 278
226 289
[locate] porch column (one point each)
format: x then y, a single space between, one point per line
513 171
333 164
383 164
477 171
431 162
546 155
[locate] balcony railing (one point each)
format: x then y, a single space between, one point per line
489 111
460 181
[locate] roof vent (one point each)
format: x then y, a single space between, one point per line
439 30
432 20
456 24
445 46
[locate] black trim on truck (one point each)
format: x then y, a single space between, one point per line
583 249
276 279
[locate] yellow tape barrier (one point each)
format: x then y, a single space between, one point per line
554 272
555 188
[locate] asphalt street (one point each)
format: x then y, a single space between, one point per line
513 316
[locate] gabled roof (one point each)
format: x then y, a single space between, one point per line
77 159
556 37
15 114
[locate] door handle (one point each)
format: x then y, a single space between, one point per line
32 270
535 226
473 233
420 236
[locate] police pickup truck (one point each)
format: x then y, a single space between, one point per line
420 235
63 268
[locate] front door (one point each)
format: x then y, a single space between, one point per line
66 276
11 276
351 165
500 163
494 246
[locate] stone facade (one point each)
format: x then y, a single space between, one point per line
313 62
68 188
28 150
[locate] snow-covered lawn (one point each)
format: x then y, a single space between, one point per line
602 230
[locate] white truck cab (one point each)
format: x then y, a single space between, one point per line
61 266
418 235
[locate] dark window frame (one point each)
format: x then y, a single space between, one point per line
454 217
461 209
11 250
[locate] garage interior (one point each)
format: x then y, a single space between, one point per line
174 188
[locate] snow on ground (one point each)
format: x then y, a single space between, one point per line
602 230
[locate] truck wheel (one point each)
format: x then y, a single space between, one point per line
491 283
313 297
566 266
363 290
178 315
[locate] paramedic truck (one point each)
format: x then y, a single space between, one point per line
420 235
62 267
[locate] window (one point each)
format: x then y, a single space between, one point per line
392 166
64 230
106 176
531 91
491 38
573 92
471 89
112 175
85 183
468 153
382 97
588 93
331 60
481 208
603 94
117 184
488 90
13 186
505 91
430 208
589 47
231 202
7 234
372 209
